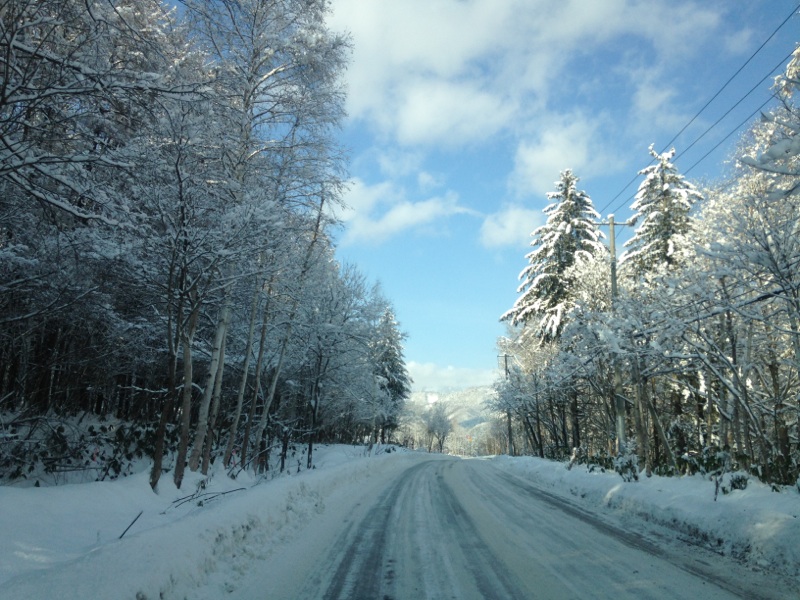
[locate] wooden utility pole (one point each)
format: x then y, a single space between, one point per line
619 401
508 411
612 237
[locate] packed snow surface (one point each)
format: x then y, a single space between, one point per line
252 537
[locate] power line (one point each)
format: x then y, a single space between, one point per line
730 110
674 310
699 112
717 145
627 185
706 155
732 77
750 116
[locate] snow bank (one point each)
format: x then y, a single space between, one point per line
65 541
755 525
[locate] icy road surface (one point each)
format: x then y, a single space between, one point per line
461 529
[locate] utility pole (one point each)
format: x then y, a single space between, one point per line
612 237
508 411
619 401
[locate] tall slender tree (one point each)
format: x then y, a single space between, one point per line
570 236
390 369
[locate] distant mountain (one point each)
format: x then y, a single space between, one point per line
466 408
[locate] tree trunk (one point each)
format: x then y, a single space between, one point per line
248 427
310 455
248 350
619 411
186 414
539 432
161 433
262 462
166 411
576 428
530 435
659 430
284 447
251 415
510 435
208 391
215 402
273 386
639 409
306 267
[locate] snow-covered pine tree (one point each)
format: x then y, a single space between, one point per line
662 206
569 236
390 369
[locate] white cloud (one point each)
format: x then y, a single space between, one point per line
433 377
739 42
378 212
453 71
449 113
428 181
676 30
653 103
361 198
651 98
512 226
420 69
394 163
569 142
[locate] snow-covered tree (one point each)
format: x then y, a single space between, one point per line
752 246
662 206
777 139
702 345
276 95
390 369
569 237
79 79
437 426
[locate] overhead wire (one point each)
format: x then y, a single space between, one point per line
732 108
737 128
700 301
722 141
791 266
734 130
732 77
741 294
711 312
707 104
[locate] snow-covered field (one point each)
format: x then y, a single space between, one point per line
202 541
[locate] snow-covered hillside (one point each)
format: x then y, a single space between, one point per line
471 422
466 408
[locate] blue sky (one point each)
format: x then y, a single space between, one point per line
462 113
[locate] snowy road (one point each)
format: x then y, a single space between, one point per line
461 529
400 525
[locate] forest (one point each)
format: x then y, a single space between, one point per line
683 354
168 285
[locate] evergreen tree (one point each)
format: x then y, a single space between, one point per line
569 237
662 208
390 368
